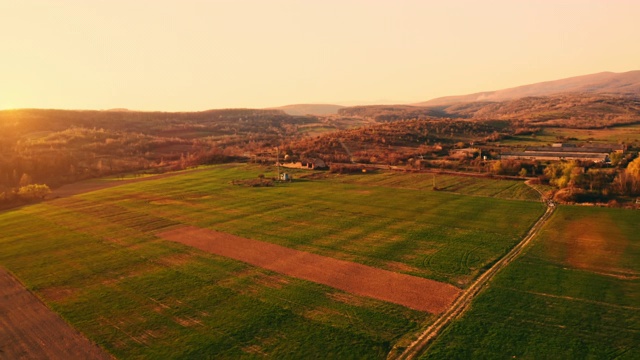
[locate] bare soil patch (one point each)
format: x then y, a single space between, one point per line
596 244
58 293
410 291
30 330
398 266
347 298
175 259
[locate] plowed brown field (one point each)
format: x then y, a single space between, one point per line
30 330
410 291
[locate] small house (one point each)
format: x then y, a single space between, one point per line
314 163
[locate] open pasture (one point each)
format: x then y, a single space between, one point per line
464 185
141 297
437 235
574 294
97 260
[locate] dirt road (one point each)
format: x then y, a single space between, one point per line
30 330
464 301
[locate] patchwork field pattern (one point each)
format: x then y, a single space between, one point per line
574 294
410 291
437 235
141 297
97 260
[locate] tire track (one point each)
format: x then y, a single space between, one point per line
463 302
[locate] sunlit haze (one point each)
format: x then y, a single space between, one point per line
195 55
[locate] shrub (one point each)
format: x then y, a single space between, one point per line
34 191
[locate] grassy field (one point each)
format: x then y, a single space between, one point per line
464 185
139 297
95 259
575 294
437 235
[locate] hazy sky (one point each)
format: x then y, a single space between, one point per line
196 55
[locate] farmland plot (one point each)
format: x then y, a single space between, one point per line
97 260
138 296
28 329
465 185
441 236
574 294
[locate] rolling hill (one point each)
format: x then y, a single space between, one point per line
310 109
627 83
573 110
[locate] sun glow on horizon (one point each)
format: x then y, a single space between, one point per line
194 55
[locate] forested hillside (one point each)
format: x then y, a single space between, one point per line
586 111
59 146
55 147
568 110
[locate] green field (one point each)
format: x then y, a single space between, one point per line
96 260
575 294
140 297
464 185
437 235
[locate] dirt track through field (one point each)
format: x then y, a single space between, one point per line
410 291
462 303
30 330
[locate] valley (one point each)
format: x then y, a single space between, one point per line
449 230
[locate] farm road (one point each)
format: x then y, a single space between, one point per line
464 301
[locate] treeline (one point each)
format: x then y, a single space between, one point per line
55 147
389 113
180 124
80 153
397 142
24 195
579 181
587 111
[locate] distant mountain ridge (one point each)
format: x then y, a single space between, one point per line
310 109
626 83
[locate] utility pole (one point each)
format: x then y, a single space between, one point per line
278 161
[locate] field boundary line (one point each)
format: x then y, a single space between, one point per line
463 302
572 298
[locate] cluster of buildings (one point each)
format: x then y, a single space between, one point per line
312 163
561 151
